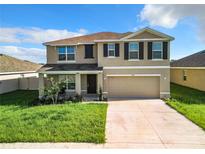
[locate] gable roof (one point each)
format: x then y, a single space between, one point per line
150 30
95 37
88 38
11 64
194 60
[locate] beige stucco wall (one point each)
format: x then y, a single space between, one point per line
195 78
80 55
120 61
164 78
52 55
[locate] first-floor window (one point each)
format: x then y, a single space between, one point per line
133 50
156 50
184 75
70 82
66 53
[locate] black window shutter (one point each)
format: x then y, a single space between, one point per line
126 51
88 51
105 50
117 50
141 50
165 50
149 50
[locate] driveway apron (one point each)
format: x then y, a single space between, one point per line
149 123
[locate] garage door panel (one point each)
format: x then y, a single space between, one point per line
137 87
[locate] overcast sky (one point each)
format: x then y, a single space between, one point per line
23 28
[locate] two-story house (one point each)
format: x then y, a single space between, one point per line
132 64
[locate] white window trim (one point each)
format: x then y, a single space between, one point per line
110 49
157 50
66 61
66 54
133 59
157 59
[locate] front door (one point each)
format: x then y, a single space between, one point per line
91 83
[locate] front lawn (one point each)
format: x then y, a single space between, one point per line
20 122
189 102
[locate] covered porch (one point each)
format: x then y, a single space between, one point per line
81 79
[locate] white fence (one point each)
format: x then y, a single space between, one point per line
10 81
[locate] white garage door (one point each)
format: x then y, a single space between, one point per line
135 87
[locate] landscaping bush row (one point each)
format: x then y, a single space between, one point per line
46 100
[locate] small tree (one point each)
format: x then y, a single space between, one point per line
53 90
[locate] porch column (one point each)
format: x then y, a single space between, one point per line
99 82
41 85
78 84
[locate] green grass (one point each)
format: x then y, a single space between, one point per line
189 102
20 122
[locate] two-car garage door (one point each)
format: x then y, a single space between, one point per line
134 86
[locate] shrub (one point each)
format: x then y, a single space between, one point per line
53 90
35 102
105 99
77 98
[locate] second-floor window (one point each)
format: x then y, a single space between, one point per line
133 50
89 51
111 50
157 50
66 53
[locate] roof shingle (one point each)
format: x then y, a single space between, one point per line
69 67
89 38
194 60
11 64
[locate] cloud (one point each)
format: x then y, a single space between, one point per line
32 54
168 16
35 34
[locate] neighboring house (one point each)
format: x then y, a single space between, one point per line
190 71
121 64
17 74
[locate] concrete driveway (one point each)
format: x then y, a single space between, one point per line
149 124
